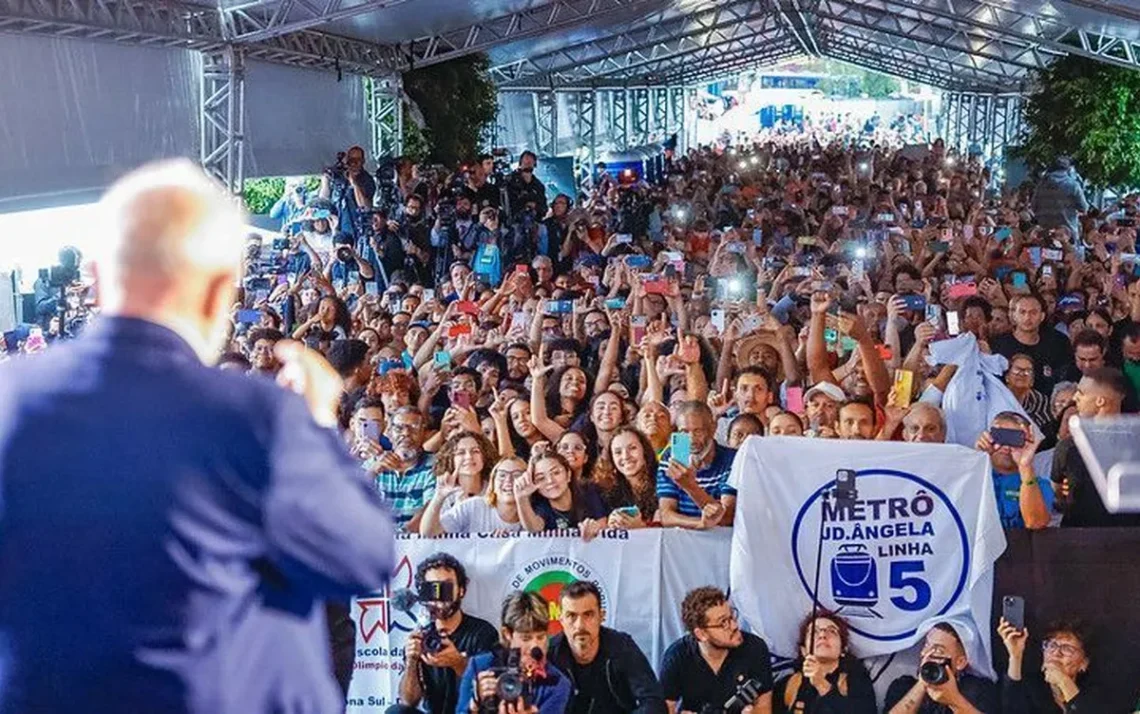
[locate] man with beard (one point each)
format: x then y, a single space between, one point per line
609 672
518 354
454 239
705 667
404 475
434 676
415 239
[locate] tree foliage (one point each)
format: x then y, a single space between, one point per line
260 194
1089 111
457 99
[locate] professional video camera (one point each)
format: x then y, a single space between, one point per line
745 694
514 681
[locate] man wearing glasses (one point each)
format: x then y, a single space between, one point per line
955 691
708 665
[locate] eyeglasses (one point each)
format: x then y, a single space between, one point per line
725 622
572 447
1020 371
830 630
1061 648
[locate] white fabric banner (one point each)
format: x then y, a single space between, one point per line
917 548
627 566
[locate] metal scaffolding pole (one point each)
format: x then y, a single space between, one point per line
384 108
222 106
659 98
676 110
639 115
545 122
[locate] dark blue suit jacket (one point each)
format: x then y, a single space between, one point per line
167 531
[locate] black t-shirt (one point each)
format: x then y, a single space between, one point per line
1085 509
981 693
441 685
689 681
1052 356
593 692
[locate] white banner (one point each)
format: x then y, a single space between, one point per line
917 548
642 594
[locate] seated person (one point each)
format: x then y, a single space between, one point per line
827 677
433 677
523 642
697 495
706 666
958 692
609 671
1060 685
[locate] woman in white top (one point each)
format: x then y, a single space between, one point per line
496 511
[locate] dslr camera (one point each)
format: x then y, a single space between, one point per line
338 169
935 671
745 694
514 681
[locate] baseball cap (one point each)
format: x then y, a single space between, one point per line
827 389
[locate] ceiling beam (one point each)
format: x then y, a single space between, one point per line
875 54
722 70
655 29
255 22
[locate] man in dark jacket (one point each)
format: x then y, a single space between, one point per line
609 672
1059 198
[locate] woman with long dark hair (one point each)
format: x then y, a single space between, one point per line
632 496
827 678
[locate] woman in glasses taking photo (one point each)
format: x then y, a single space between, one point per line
1060 685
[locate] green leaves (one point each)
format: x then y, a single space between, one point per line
457 99
1089 111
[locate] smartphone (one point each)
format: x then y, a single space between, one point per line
939 246
443 359
559 307
735 247
637 326
806 240
801 271
953 326
681 448
957 291
858 270
656 286
638 261
1014 438
615 303
467 307
845 490
1052 254
248 316
757 237
795 399
522 269
370 429
1035 256
839 210
1013 611
904 387
1002 233
831 335
631 511
934 315
948 235
716 317
914 302
885 218
752 323
1020 280
1047 270
458 330
462 400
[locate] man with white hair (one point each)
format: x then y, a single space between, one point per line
168 530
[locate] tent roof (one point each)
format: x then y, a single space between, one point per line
970 45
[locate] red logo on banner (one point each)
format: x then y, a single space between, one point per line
376 613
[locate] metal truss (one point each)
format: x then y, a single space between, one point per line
222 106
548 17
989 123
676 120
745 41
742 63
659 109
138 22
794 18
648 39
384 109
586 109
545 106
619 118
257 21
639 115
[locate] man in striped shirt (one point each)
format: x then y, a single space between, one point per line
404 475
697 495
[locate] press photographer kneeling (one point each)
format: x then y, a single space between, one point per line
608 671
515 677
437 655
943 685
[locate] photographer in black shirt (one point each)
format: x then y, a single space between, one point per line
609 672
943 686
434 676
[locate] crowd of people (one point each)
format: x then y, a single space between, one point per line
518 362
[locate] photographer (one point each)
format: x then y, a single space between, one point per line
943 685
609 672
436 656
454 234
1060 686
521 656
525 193
350 188
414 232
347 268
484 192
706 668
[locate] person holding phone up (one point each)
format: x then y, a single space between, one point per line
1060 686
1024 500
692 481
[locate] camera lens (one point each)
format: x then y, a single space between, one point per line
432 641
934 672
509 687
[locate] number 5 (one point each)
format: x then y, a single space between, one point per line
901 579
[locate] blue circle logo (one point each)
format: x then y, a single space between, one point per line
897 556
